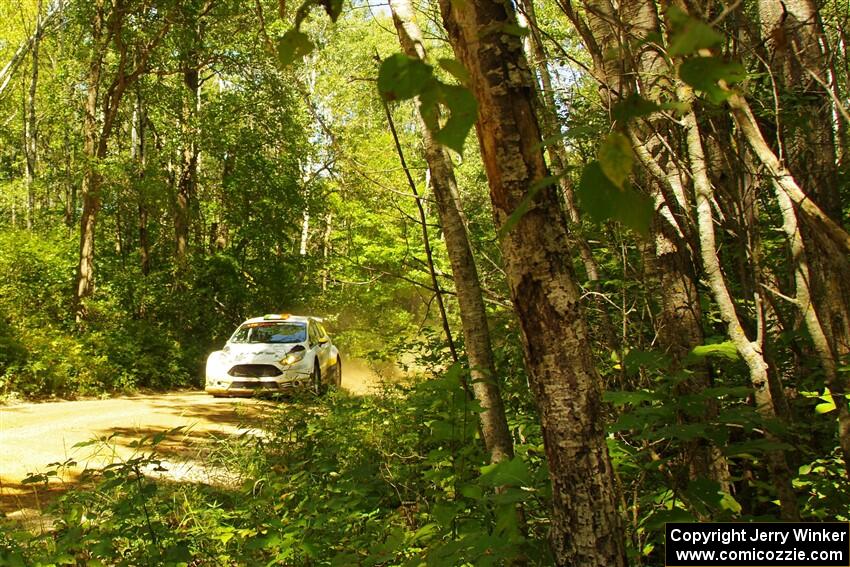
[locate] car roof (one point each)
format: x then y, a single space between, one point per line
282 317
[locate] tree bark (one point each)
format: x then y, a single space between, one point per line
187 183
90 188
20 54
105 29
586 525
750 351
476 332
138 152
800 61
810 316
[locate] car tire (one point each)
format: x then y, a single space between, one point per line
338 374
316 381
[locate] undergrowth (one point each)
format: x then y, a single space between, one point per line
394 479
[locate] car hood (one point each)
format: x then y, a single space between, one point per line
245 352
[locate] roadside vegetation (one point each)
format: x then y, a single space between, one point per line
622 295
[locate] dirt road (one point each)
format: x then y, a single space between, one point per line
34 435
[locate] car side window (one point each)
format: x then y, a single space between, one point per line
322 332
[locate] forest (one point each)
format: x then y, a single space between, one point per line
605 242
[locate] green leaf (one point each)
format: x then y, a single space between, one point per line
725 350
293 45
455 68
703 73
616 158
688 35
633 106
463 109
623 398
828 404
524 205
402 77
602 200
506 473
664 516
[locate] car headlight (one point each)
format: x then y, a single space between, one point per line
215 364
293 356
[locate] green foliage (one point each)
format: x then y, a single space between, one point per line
603 200
674 415
616 158
689 35
704 74
401 77
293 45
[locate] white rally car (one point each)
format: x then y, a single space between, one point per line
274 353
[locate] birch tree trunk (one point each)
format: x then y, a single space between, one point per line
476 332
800 61
749 350
550 130
31 125
586 525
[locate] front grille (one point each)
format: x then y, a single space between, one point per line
254 370
252 385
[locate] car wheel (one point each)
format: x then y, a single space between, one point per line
338 379
316 381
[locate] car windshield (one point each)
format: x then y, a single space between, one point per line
271 332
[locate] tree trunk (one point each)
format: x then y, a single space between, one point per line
750 351
426 241
187 183
20 54
138 152
586 525
31 126
547 110
799 59
90 188
326 248
810 316
476 332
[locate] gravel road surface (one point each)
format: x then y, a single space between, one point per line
33 435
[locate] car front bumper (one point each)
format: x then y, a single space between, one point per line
227 385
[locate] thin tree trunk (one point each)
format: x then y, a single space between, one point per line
476 331
813 325
187 183
426 241
305 230
31 126
20 54
750 351
586 525
326 248
551 131
801 62
96 135
138 153
827 228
